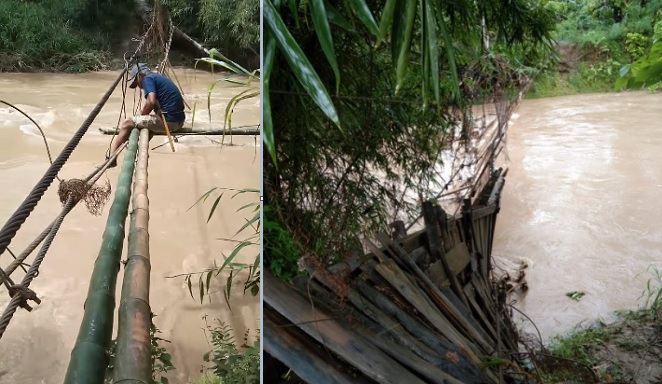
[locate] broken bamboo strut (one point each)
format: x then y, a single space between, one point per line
165 125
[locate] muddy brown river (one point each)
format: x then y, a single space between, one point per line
582 204
36 347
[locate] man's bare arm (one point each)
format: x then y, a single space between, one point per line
150 103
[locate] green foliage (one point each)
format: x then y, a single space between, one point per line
58 35
636 44
352 148
439 26
232 363
251 281
221 23
161 359
646 71
243 77
280 249
653 294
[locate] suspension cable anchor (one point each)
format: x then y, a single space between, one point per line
25 294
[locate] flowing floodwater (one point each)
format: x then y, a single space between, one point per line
36 347
582 204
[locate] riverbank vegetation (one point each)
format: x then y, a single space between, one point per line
627 350
596 40
84 35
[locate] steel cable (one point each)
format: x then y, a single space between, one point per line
11 227
49 233
17 219
90 180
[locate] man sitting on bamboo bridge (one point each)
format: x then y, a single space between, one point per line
161 96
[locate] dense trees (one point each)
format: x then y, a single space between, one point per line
79 35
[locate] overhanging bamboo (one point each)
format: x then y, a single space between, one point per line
89 358
133 361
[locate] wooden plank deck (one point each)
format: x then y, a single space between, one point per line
419 308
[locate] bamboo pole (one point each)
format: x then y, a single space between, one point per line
133 360
88 358
248 130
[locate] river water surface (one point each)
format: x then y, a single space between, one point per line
582 204
36 347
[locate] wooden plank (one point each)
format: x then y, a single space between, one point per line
429 372
486 323
298 355
439 302
320 325
458 259
452 360
434 241
390 271
484 211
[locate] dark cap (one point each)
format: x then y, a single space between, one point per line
135 70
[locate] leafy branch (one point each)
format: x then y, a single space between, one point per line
251 283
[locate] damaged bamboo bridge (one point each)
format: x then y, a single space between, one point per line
422 307
417 309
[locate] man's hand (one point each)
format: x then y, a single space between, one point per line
150 103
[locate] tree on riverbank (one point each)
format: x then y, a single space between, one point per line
82 35
596 39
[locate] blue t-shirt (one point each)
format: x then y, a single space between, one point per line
167 93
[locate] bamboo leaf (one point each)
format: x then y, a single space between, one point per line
432 48
336 18
238 68
247 94
190 286
202 289
363 13
298 62
255 218
323 31
425 54
210 273
267 123
249 205
295 10
233 254
213 207
202 198
403 55
228 290
398 28
245 190
386 20
450 53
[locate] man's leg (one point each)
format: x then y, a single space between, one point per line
121 137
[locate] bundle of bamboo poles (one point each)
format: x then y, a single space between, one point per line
133 362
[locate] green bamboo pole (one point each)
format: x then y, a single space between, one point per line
89 356
133 360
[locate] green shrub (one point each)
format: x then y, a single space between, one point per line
59 35
635 45
232 363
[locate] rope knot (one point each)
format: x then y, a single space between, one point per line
25 294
